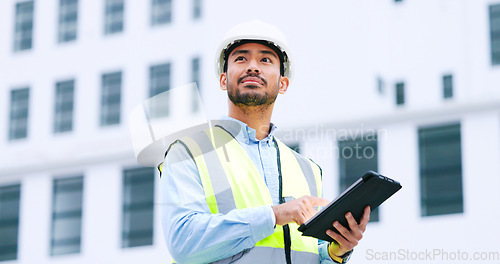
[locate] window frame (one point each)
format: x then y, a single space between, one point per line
7 222
21 19
130 179
64 109
423 169
161 12
19 113
111 98
65 25
61 186
113 18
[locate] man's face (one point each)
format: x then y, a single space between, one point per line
253 75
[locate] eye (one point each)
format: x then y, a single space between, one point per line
240 58
268 60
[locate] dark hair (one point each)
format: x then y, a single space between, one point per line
230 49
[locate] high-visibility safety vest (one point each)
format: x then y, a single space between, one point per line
231 181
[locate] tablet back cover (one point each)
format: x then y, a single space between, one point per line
370 190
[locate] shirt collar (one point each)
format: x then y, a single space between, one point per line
242 132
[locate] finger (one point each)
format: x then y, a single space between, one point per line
338 238
343 244
365 219
316 201
299 215
345 233
353 225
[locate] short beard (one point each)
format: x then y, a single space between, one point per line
252 99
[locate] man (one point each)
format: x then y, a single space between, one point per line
235 193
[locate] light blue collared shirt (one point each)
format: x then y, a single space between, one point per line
192 233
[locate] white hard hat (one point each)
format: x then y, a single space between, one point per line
255 30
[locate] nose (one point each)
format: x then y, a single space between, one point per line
253 67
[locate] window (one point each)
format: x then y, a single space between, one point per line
19 106
63 116
138 198
9 221
356 157
400 93
440 170
495 33
161 12
159 79
23 31
380 85
68 18
111 98
159 82
114 16
66 216
448 86
195 77
295 147
197 9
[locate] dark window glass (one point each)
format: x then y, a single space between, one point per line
111 98
495 33
295 147
400 94
23 31
19 106
63 116
68 20
161 12
159 79
197 7
9 221
113 22
448 86
159 82
195 77
66 216
138 198
356 157
380 85
440 170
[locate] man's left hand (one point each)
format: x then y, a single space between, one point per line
348 239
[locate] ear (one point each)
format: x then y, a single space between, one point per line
223 81
283 84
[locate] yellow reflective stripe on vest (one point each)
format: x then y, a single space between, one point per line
220 185
249 189
304 166
203 171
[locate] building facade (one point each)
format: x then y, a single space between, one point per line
404 87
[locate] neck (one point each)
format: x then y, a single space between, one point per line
256 117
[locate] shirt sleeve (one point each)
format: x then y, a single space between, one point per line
324 257
191 232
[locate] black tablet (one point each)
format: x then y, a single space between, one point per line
372 189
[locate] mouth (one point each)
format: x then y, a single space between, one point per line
252 80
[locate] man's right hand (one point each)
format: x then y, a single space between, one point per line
298 210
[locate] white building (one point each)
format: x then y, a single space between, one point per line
422 74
